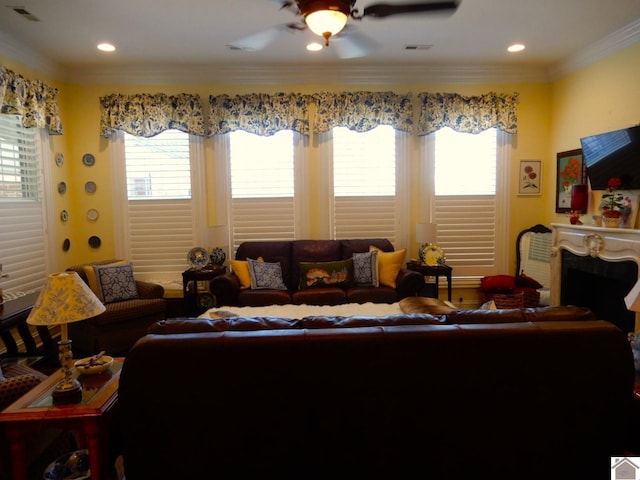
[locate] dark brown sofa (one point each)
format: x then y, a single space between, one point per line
290 254
546 395
122 323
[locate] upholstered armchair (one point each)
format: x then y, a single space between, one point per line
132 306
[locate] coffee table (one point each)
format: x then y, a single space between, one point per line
91 420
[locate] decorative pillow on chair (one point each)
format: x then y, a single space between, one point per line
265 275
326 274
389 265
116 282
365 269
92 278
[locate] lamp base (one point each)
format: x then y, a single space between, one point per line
64 394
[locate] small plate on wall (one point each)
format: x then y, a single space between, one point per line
62 187
59 159
92 214
88 159
94 242
90 187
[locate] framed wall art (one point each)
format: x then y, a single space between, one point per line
571 171
530 179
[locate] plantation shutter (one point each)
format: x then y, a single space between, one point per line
465 206
262 187
160 206
364 184
23 251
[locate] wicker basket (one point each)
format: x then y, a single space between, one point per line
507 300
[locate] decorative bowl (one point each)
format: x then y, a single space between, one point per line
71 465
92 366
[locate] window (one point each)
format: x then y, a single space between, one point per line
468 206
262 174
365 203
161 200
23 246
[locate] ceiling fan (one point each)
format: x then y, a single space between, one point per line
328 19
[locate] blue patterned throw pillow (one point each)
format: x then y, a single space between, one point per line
116 282
265 275
365 268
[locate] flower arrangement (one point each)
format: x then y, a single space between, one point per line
614 204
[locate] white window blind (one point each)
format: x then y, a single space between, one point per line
364 183
160 207
465 204
262 172
23 251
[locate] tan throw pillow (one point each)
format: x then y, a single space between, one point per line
425 305
389 265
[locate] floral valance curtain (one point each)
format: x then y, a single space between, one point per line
362 111
467 114
146 115
259 113
33 99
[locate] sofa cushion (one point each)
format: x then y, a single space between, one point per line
263 296
236 323
389 265
320 296
326 321
265 275
116 282
365 268
241 269
326 274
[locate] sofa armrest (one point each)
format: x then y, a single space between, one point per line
12 388
225 288
409 283
149 290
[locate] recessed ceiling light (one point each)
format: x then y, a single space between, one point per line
314 47
106 47
516 47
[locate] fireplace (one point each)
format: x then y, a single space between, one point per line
595 267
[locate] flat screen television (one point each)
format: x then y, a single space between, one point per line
613 154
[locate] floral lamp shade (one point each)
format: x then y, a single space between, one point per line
64 299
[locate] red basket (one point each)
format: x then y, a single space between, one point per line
507 300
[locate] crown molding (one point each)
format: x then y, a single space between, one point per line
308 75
28 57
609 45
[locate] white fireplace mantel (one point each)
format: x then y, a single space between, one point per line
609 244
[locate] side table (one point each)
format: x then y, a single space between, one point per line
196 301
91 420
434 271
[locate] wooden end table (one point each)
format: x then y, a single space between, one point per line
90 420
434 271
197 302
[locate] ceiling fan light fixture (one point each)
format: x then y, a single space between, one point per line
323 22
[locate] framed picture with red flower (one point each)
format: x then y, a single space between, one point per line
530 177
571 171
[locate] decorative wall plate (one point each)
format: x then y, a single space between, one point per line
205 300
59 159
62 187
64 215
92 214
88 159
434 255
94 242
66 245
90 187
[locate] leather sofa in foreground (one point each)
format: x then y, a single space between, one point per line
298 260
545 395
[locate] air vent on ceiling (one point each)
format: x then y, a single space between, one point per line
418 47
23 12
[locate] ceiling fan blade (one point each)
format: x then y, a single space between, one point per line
382 10
350 43
258 41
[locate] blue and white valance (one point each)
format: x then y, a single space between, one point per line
34 100
146 115
467 114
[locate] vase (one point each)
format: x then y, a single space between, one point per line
611 222
217 256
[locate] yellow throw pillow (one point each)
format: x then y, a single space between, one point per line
241 269
389 265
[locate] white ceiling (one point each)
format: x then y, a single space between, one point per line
195 33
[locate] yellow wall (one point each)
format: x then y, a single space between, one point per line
599 98
551 118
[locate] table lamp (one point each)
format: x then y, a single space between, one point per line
64 299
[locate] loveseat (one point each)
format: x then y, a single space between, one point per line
527 394
130 310
316 272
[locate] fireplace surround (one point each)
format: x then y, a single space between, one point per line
595 267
